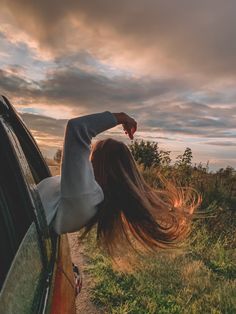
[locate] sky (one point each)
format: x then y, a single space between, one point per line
169 64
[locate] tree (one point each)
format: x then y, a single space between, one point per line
165 159
57 156
185 160
183 166
146 153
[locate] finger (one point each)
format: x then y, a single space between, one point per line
130 134
130 128
133 130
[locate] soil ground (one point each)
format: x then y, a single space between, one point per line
83 303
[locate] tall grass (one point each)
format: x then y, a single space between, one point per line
199 278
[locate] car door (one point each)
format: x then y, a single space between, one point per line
34 268
23 254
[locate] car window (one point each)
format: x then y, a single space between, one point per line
29 146
25 284
15 213
7 243
31 183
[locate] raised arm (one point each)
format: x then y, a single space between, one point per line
77 175
80 193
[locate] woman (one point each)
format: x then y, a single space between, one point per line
105 188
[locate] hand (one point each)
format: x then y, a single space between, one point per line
128 123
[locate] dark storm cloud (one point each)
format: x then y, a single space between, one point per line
93 91
195 36
96 90
141 97
44 124
12 83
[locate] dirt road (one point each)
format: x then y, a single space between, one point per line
83 303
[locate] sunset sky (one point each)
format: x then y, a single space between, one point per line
169 64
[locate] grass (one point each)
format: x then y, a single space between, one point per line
199 279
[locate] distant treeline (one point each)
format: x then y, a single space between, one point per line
218 188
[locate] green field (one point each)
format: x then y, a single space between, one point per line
198 278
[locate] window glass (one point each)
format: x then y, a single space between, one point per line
23 290
19 200
7 242
28 144
16 214
37 164
31 183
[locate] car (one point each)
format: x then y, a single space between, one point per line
36 272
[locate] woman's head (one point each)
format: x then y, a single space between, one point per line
112 161
132 211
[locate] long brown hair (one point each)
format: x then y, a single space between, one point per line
132 211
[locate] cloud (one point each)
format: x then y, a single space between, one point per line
221 143
44 124
158 105
90 90
170 64
48 132
11 82
185 36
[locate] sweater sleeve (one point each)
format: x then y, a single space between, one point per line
80 193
